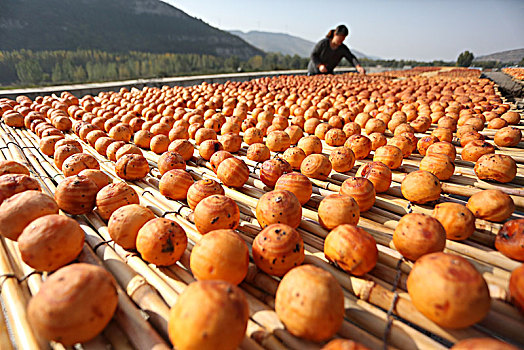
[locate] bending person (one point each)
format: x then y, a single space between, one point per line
329 51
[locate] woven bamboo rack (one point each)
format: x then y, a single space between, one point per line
378 310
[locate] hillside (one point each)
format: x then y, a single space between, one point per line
283 43
112 26
277 42
510 56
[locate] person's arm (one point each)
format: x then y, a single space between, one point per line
354 61
315 56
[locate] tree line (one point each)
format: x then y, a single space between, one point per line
465 59
31 68
462 62
24 68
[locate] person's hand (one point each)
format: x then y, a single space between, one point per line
322 68
361 69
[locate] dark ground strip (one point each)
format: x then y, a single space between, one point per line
509 87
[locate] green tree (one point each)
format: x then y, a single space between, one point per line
256 62
271 61
232 63
79 74
68 70
298 63
111 72
57 76
29 71
465 59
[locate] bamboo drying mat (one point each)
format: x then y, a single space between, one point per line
379 312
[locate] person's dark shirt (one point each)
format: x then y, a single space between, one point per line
324 54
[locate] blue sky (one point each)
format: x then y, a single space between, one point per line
410 29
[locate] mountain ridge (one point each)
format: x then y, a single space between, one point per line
507 56
112 26
286 44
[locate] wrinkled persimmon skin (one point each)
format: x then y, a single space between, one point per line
296 183
279 207
233 172
220 323
310 303
491 205
417 235
459 295
277 249
421 187
498 167
378 173
510 239
220 255
216 212
337 209
362 190
457 220
74 304
352 249
516 287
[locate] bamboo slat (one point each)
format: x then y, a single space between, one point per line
15 305
129 317
5 341
117 337
135 285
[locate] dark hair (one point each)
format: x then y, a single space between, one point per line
339 30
